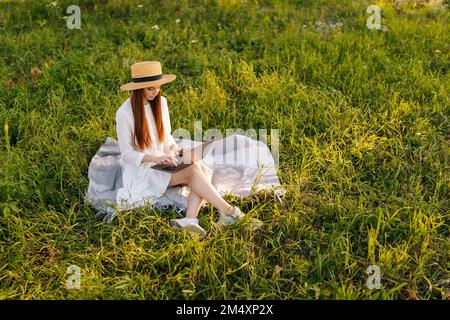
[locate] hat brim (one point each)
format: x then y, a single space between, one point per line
166 78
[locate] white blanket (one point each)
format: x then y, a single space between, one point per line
241 166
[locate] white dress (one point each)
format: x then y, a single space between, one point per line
141 184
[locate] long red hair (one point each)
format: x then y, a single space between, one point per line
141 136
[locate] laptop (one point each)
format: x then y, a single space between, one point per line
197 153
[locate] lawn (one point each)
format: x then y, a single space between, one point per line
364 123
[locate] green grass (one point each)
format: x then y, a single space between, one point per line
364 124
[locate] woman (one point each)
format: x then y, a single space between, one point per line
151 143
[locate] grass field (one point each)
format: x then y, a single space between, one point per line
364 120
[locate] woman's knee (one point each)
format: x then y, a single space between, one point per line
206 170
188 173
200 168
196 168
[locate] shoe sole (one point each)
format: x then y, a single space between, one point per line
191 228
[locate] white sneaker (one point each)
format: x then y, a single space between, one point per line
189 224
235 215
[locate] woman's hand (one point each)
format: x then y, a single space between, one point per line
189 156
176 150
166 159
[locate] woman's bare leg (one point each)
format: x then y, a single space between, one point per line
201 185
204 188
195 202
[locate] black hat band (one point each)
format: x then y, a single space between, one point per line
145 79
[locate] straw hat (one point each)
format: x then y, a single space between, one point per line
147 74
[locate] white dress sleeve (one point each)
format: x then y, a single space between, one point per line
168 139
128 154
